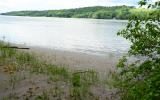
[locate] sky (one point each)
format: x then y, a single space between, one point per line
17 5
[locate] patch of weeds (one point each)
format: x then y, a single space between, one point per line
37 67
54 78
76 80
7 52
24 58
61 72
109 80
84 78
78 93
81 82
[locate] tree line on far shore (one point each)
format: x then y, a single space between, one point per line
96 12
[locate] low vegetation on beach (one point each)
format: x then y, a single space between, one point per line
24 77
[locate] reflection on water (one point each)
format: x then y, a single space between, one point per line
80 35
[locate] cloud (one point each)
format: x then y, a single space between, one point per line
12 5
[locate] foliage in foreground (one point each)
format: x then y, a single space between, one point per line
139 71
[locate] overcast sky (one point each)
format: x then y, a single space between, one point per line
14 5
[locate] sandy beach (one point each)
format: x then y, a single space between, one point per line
22 83
77 60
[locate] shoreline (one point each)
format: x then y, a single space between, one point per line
76 60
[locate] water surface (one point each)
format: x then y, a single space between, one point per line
92 36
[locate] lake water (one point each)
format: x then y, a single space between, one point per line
92 36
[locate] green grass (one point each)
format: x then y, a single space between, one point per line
76 84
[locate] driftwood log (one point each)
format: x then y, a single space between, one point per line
15 47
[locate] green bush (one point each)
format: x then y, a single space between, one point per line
140 79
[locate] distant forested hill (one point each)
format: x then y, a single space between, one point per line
96 12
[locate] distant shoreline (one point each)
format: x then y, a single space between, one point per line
95 12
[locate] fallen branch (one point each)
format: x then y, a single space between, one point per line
15 47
